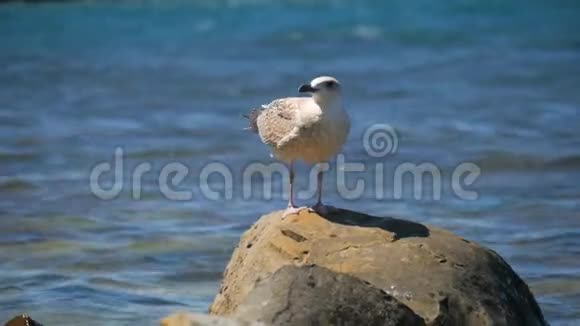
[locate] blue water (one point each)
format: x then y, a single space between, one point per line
488 82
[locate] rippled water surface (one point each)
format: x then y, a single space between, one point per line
488 82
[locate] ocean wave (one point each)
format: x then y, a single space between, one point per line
16 185
18 156
558 235
505 161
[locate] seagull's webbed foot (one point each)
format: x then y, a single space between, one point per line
292 210
321 209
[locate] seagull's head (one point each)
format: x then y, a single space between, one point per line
324 89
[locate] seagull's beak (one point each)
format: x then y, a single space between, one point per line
306 88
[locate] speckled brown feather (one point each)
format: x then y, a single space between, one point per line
276 121
296 128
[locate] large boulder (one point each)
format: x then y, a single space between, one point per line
309 295
443 278
312 295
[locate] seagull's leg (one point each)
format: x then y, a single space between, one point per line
291 177
319 207
292 209
319 176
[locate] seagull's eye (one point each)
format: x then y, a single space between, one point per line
330 84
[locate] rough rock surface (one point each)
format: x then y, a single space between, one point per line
188 319
312 295
309 295
444 279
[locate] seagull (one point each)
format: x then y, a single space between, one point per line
312 129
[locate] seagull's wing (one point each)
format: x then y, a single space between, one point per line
278 121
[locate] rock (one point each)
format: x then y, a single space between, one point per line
188 319
444 279
312 295
22 320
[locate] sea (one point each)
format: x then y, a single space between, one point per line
127 175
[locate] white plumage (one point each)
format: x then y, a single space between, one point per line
298 128
311 129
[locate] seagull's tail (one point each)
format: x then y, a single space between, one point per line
253 119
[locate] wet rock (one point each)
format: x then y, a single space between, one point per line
442 278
